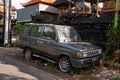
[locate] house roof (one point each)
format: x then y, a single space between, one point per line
32 2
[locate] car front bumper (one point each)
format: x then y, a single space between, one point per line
78 63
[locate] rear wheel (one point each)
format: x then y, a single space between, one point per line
64 64
28 54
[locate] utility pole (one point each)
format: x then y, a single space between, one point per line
7 22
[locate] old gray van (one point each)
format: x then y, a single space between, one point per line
58 44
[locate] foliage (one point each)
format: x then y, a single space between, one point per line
117 78
110 61
18 26
113 46
113 38
52 66
81 71
85 70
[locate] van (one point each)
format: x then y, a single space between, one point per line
59 44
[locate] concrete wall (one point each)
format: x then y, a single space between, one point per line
47 8
93 29
24 15
93 32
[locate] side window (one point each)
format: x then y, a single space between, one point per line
35 31
26 30
49 33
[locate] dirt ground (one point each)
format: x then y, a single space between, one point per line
105 74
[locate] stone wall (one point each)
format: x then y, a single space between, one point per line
94 33
93 29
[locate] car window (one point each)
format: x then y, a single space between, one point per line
67 34
26 30
49 33
35 31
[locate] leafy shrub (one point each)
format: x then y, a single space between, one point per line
18 26
113 38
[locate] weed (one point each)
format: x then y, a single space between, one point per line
81 71
113 38
97 69
18 26
118 78
52 66
110 61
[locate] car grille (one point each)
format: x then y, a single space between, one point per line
92 53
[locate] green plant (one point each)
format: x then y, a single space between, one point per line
113 45
18 26
117 57
97 68
74 72
81 71
110 61
117 78
85 71
113 38
52 66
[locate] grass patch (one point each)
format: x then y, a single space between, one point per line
52 66
85 71
117 78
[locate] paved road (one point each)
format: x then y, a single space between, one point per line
11 69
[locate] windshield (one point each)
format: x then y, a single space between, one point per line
67 34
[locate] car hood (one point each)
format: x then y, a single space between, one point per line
84 46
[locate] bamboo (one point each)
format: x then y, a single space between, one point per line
97 8
116 13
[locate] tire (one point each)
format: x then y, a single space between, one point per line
64 64
28 54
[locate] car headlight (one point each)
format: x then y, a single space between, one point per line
85 54
79 54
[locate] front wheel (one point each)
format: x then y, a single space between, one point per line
64 64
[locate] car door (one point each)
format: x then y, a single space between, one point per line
48 40
24 37
34 36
